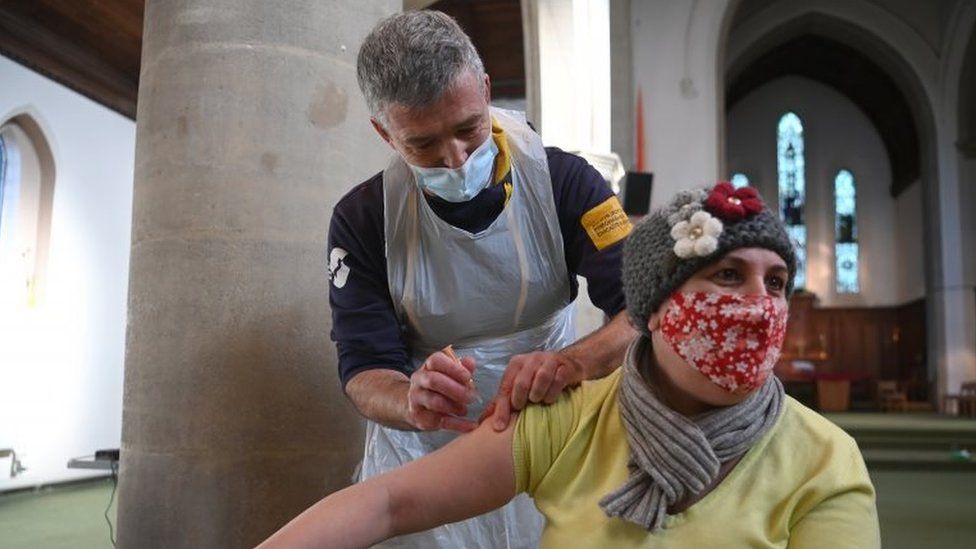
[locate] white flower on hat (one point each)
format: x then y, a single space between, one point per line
684 213
698 236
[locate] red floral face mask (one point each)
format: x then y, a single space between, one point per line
733 340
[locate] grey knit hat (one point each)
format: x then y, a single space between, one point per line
697 228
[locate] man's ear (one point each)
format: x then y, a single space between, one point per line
487 89
381 130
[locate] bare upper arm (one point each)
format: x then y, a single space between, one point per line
470 476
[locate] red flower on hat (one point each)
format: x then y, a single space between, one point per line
731 204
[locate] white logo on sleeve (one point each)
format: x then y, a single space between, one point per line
338 270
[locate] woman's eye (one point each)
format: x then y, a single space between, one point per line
776 283
727 275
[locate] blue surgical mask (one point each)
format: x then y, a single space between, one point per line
464 183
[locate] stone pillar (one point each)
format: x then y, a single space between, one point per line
950 285
250 127
952 306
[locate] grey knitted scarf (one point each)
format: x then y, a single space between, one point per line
673 456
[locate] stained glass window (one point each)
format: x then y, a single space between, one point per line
845 232
9 192
739 180
3 174
792 187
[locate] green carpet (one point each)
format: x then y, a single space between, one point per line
931 510
65 517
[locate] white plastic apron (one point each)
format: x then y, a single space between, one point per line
494 294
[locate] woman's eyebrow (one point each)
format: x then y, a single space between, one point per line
731 261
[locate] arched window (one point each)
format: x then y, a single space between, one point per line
9 183
739 180
845 232
12 279
3 173
26 197
792 187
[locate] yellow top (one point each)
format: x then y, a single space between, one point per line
804 484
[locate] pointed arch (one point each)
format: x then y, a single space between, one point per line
28 198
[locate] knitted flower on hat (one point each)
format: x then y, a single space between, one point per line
684 205
733 204
696 237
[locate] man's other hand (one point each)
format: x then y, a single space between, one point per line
533 377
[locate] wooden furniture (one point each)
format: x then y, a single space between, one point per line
890 397
833 395
965 400
834 390
825 391
868 343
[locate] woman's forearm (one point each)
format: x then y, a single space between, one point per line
352 518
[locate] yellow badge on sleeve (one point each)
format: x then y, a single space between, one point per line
607 223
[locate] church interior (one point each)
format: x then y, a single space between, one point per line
168 171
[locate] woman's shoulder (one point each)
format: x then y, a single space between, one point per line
798 421
595 390
820 470
813 445
578 414
596 398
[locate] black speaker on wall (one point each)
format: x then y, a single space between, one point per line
637 192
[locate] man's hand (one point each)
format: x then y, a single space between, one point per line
532 377
440 390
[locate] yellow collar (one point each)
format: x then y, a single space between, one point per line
503 164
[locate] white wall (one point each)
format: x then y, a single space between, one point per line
909 225
676 67
837 135
61 361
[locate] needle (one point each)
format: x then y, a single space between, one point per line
449 351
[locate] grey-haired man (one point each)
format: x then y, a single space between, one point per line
472 238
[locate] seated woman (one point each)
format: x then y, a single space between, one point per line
690 444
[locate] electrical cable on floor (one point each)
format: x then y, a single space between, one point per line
115 482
